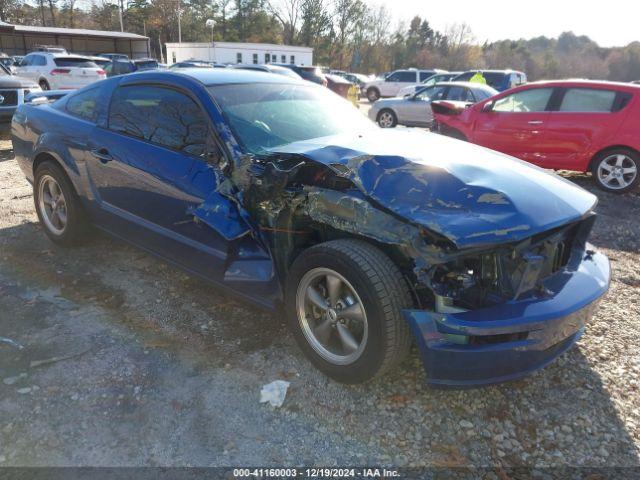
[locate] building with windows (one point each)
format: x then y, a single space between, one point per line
231 52
21 39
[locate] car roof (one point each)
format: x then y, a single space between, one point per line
584 83
475 85
225 76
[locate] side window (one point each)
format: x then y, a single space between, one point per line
39 60
460 94
431 93
84 105
425 75
534 100
587 100
26 61
394 77
160 115
406 77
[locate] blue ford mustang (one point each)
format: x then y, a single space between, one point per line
281 192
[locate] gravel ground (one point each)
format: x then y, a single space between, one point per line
128 361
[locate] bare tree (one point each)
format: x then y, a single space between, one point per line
288 13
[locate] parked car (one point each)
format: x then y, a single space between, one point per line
146 64
13 90
343 87
311 74
196 64
50 49
501 80
55 71
278 191
269 68
577 125
415 110
113 56
359 79
119 67
396 81
432 80
102 62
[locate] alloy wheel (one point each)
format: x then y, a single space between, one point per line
332 316
617 171
386 120
52 205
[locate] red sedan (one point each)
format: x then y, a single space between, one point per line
579 125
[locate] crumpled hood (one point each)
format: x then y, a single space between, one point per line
469 194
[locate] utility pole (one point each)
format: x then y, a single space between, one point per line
179 22
121 7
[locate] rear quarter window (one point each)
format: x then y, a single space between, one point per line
588 100
84 105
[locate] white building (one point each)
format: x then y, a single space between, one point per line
230 52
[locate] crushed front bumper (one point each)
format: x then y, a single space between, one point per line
508 341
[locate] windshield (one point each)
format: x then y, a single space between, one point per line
264 116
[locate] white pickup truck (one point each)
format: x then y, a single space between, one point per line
396 81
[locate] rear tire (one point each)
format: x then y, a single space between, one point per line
373 94
617 170
58 206
369 280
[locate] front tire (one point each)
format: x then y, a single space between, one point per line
616 171
344 302
373 94
387 118
58 206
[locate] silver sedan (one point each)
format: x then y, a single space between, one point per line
415 110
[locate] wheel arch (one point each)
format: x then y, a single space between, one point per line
46 155
608 149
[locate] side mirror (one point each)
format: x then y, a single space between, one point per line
487 107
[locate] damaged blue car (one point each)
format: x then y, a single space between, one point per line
282 193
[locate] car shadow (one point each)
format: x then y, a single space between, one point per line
108 297
6 155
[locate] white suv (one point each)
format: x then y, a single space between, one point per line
395 81
56 71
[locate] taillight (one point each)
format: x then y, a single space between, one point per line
60 71
101 72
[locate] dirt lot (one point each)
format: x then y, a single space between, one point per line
128 361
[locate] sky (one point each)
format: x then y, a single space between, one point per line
610 23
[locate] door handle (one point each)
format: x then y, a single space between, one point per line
536 122
102 154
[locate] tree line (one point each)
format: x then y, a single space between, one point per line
345 34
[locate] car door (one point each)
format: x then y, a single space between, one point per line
396 81
584 122
417 109
152 169
515 124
